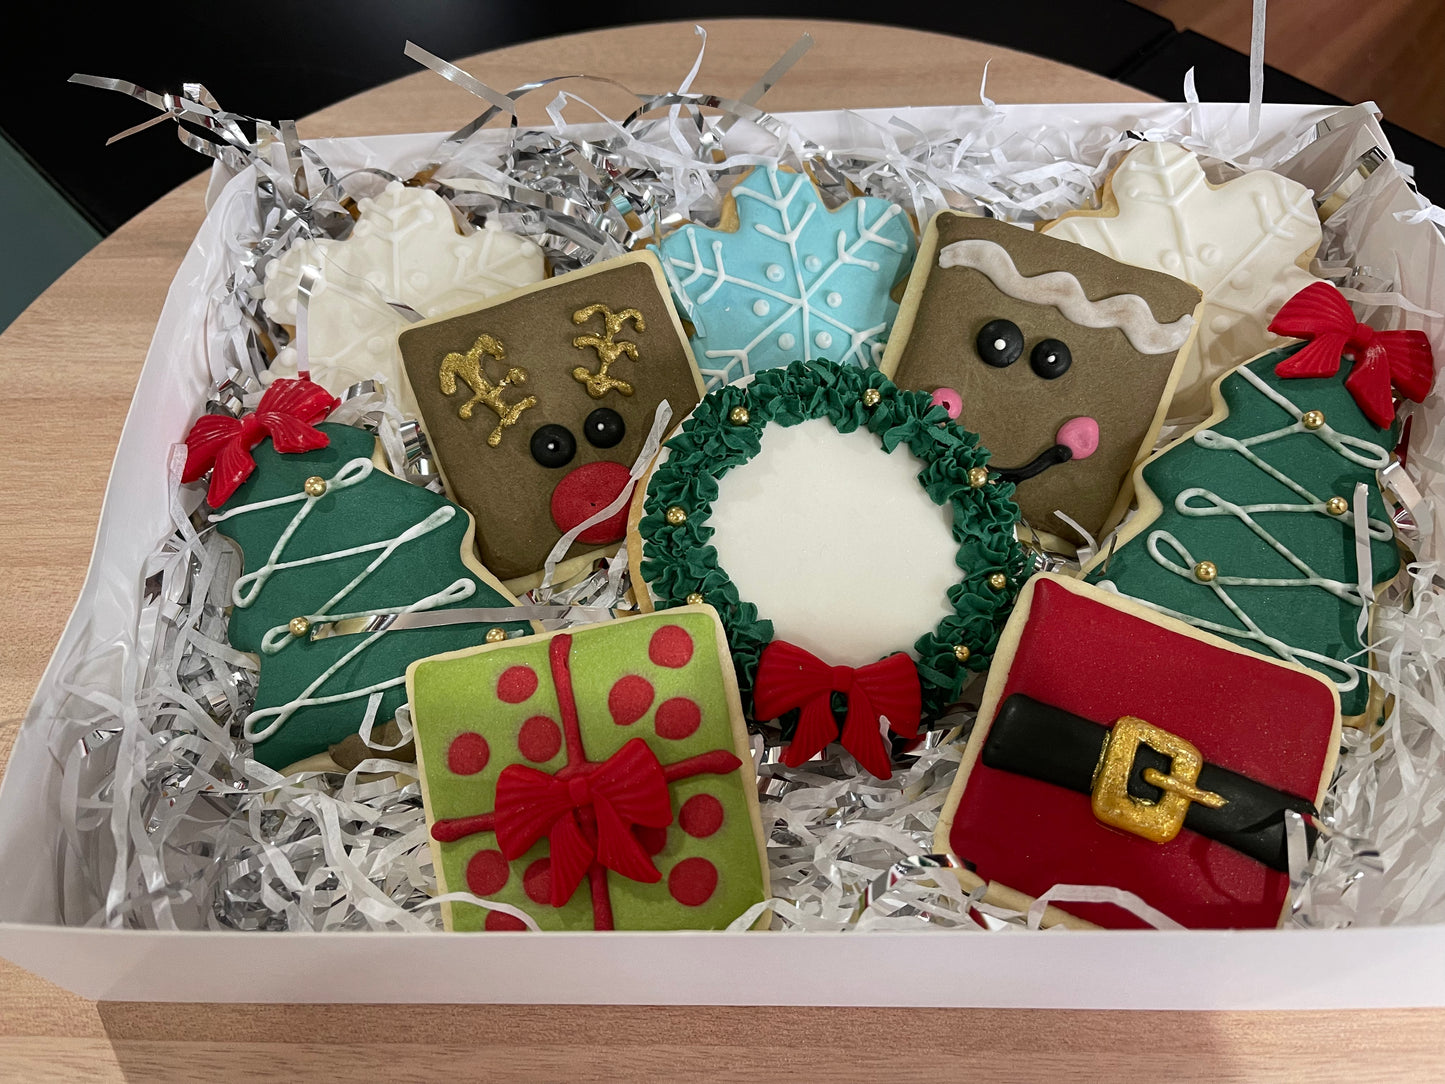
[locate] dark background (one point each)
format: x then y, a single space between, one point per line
283 59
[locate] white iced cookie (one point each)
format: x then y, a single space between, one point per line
1246 244
404 247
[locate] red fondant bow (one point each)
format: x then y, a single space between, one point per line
1320 313
626 789
222 445
789 677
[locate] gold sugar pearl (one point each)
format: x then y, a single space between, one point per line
998 581
299 626
1312 419
695 599
961 652
1206 571
738 415
1337 506
978 477
872 397
676 515
496 636
315 486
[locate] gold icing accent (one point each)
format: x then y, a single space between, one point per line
676 515
1337 506
872 397
1206 571
299 626
1312 419
469 367
496 636
608 351
738 415
1156 821
961 652
315 486
978 477
695 599
998 581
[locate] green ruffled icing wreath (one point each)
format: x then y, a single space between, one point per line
678 561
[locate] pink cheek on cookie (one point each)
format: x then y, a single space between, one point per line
950 401
586 491
1080 436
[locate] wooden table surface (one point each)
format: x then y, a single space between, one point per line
68 367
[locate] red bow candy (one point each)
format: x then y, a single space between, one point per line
222 445
627 789
1321 314
789 677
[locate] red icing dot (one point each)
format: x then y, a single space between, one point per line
700 816
516 684
501 922
652 839
671 646
468 754
539 739
629 699
692 881
677 718
584 492
537 881
487 873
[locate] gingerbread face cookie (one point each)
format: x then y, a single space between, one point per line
782 277
538 405
1059 358
1246 243
1117 747
597 778
404 247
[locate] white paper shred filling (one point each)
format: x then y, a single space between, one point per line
168 823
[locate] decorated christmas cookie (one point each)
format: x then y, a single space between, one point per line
1252 525
404 247
1062 360
349 574
538 404
1119 748
1246 243
851 541
597 778
782 277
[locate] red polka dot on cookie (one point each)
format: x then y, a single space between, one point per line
700 816
537 881
629 698
516 684
652 840
692 881
501 922
539 739
677 718
670 646
487 873
468 754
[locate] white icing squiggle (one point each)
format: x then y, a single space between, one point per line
1130 313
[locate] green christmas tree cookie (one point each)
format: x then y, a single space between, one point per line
597 778
330 542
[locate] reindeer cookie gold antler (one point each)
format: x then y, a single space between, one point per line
469 367
599 383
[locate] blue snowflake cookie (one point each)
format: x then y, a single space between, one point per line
794 280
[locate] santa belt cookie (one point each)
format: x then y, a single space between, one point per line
1143 779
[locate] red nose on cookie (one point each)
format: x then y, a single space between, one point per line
586 491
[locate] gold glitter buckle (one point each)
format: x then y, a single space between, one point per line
1157 821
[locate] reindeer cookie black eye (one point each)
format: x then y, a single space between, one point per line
604 428
1051 359
1000 343
553 446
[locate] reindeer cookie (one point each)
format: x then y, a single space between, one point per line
538 404
1059 358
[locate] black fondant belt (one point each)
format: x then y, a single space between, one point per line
1143 779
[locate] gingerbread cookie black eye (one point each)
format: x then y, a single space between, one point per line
999 343
1051 359
553 446
604 428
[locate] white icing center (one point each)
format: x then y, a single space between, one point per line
836 542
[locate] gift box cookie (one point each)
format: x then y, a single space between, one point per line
597 778
1118 747
1030 342
538 404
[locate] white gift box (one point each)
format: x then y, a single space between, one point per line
1364 967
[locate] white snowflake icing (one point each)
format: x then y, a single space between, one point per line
793 279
